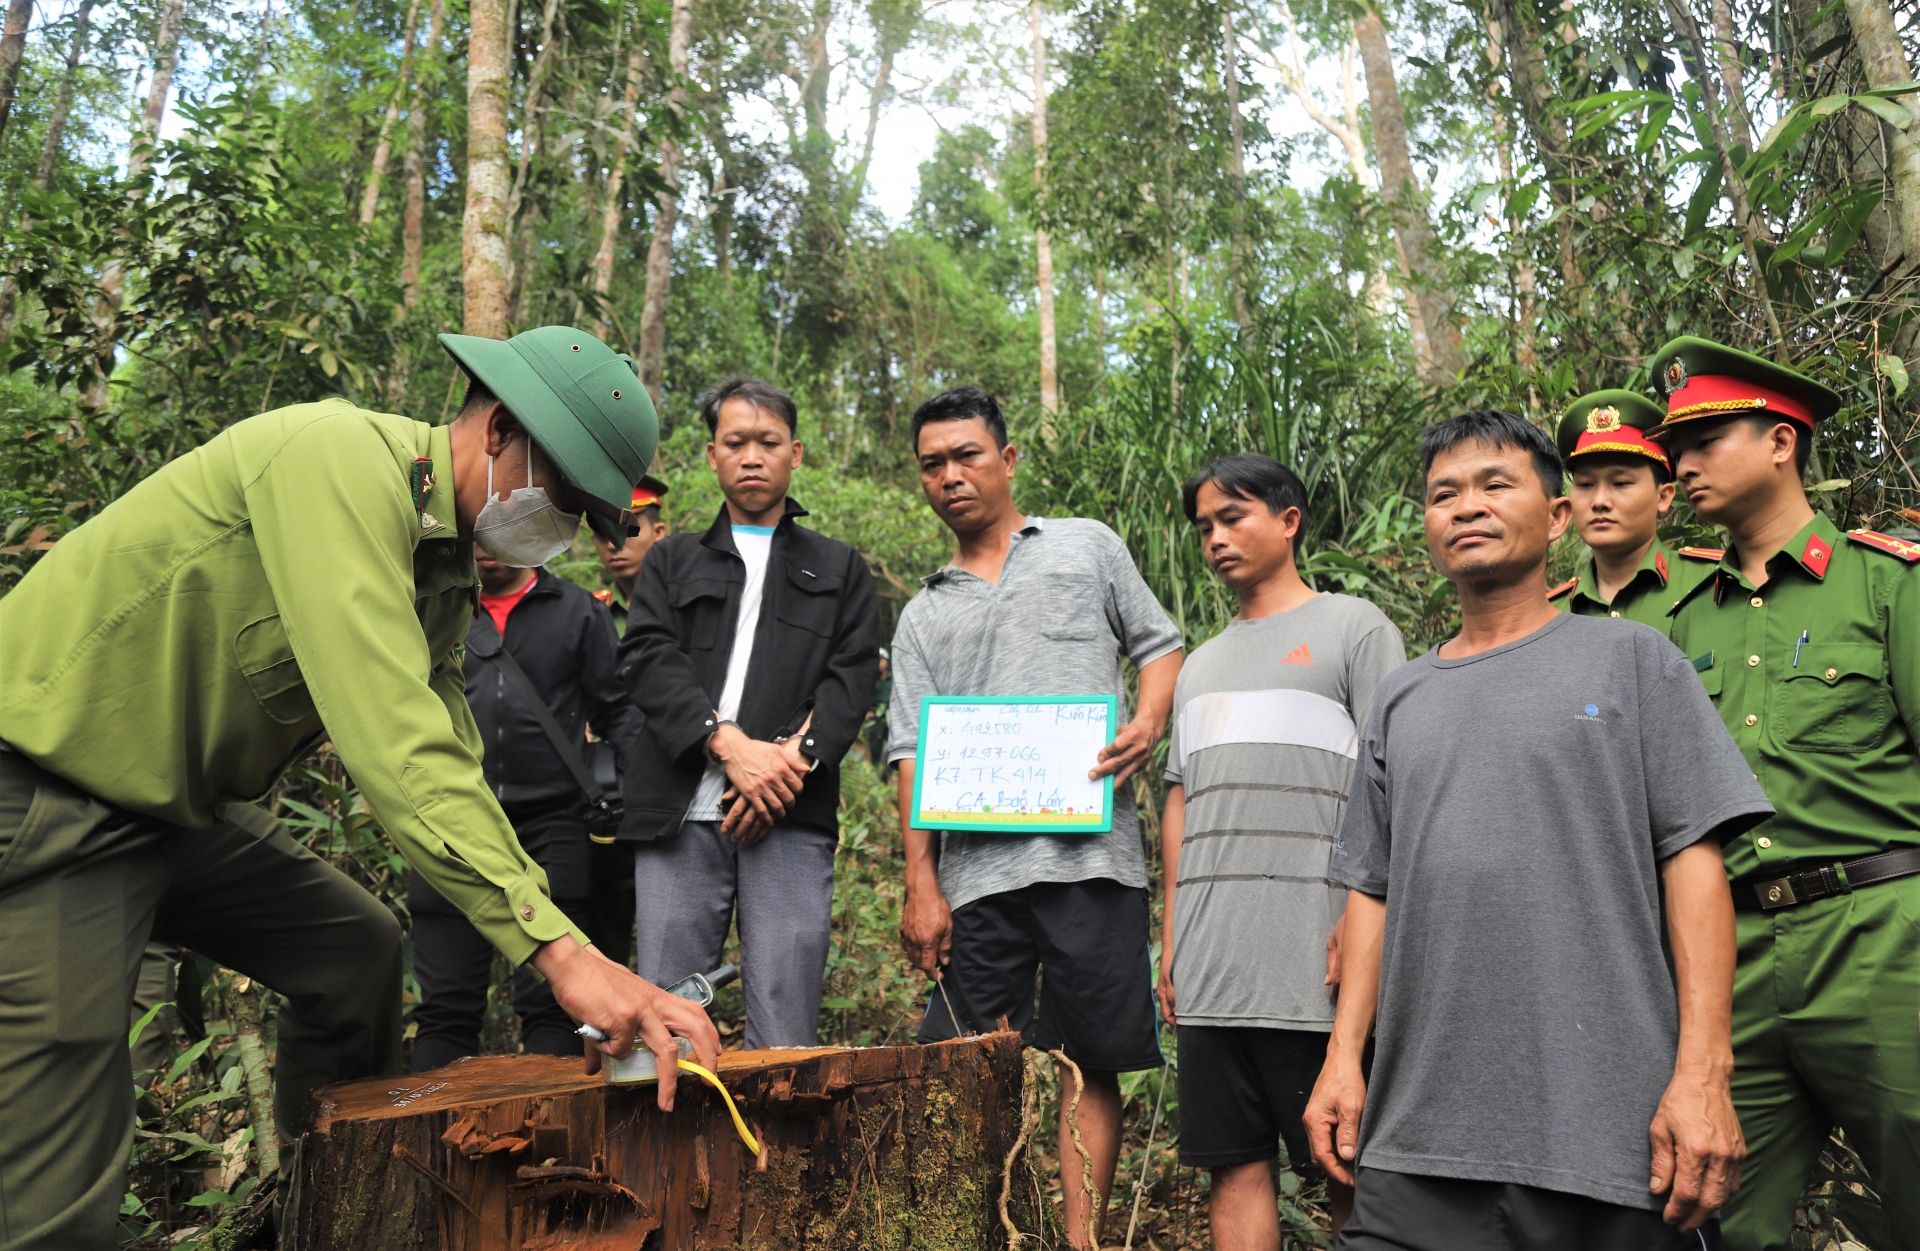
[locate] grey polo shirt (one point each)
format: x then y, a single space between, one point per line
1068 605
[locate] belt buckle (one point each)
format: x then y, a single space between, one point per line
1775 894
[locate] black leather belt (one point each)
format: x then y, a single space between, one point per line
1825 882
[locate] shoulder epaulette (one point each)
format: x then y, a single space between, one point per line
1905 549
1714 554
1563 588
605 597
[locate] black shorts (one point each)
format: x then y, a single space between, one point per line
1096 997
1243 1090
1405 1212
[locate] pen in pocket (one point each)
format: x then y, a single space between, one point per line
1796 648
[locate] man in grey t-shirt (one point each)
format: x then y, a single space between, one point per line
1539 926
1032 607
1265 731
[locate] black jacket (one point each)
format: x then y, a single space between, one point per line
564 640
816 649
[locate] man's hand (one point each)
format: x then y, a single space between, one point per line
1129 751
595 991
1334 940
1697 1145
926 929
1164 990
1333 1116
761 773
745 826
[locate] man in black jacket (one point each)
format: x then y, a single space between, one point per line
563 642
751 649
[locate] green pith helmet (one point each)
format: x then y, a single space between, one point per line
1701 379
581 402
1610 422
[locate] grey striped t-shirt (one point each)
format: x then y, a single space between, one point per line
1068 605
1266 718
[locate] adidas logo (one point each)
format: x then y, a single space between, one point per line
1298 656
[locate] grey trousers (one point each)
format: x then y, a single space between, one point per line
685 891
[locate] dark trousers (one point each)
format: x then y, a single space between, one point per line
454 964
1409 1212
609 919
83 885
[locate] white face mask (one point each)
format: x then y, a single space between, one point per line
525 530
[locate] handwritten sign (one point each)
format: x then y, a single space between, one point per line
1013 765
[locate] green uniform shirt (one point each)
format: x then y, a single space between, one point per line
273 587
1828 724
1662 580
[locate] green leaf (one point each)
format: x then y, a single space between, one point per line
1896 371
140 1026
1650 133
1832 484
1827 106
1886 110
1705 196
186 1059
838 1005
211 1199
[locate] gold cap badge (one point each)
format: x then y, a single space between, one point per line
1676 375
1603 420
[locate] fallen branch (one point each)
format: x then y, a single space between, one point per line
1014 1236
1086 1162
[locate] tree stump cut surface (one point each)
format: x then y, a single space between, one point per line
872 1148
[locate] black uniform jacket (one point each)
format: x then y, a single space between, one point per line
815 650
564 640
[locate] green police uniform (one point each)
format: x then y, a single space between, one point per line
1816 672
298 577
1613 424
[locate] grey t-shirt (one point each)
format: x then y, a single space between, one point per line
1068 605
1266 721
1513 808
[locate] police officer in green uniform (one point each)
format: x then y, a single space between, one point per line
306 574
1621 488
1808 641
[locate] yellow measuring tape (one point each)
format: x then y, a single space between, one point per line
739 1122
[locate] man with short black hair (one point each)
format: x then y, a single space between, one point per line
1032 606
1265 731
1538 916
751 650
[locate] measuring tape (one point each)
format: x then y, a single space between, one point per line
739 1122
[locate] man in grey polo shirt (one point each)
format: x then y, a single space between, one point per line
1032 607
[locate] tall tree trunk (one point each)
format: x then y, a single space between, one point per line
1732 78
13 47
610 210
50 147
1237 171
483 227
890 41
413 219
1400 188
383 149
1042 240
1526 289
1884 59
533 147
653 310
724 196
166 56
1527 70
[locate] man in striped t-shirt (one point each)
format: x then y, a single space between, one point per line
1266 718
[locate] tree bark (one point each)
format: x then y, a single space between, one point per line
413 218
1877 42
1400 188
13 47
383 148
724 195
653 310
483 227
1237 173
877 1147
533 146
891 37
1732 78
247 1008
1042 240
63 99
610 211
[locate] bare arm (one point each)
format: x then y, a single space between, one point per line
926 923
1173 831
1132 747
1697 1144
1333 1113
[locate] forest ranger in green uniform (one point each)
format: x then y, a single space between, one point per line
1621 488
306 574
1808 641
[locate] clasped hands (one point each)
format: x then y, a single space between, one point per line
764 779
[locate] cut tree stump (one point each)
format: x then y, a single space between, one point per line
882 1147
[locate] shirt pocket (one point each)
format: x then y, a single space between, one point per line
273 675
810 601
697 607
1835 699
1074 611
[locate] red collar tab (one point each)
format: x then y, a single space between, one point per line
1660 565
1714 554
1903 548
1706 395
1816 554
1563 588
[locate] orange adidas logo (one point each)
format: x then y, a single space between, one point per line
1298 656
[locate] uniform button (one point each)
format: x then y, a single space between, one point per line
526 912
1752 720
1756 601
1752 661
1613 614
1832 674
1764 842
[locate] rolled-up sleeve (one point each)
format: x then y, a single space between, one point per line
334 526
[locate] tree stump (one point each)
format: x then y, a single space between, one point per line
870 1148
